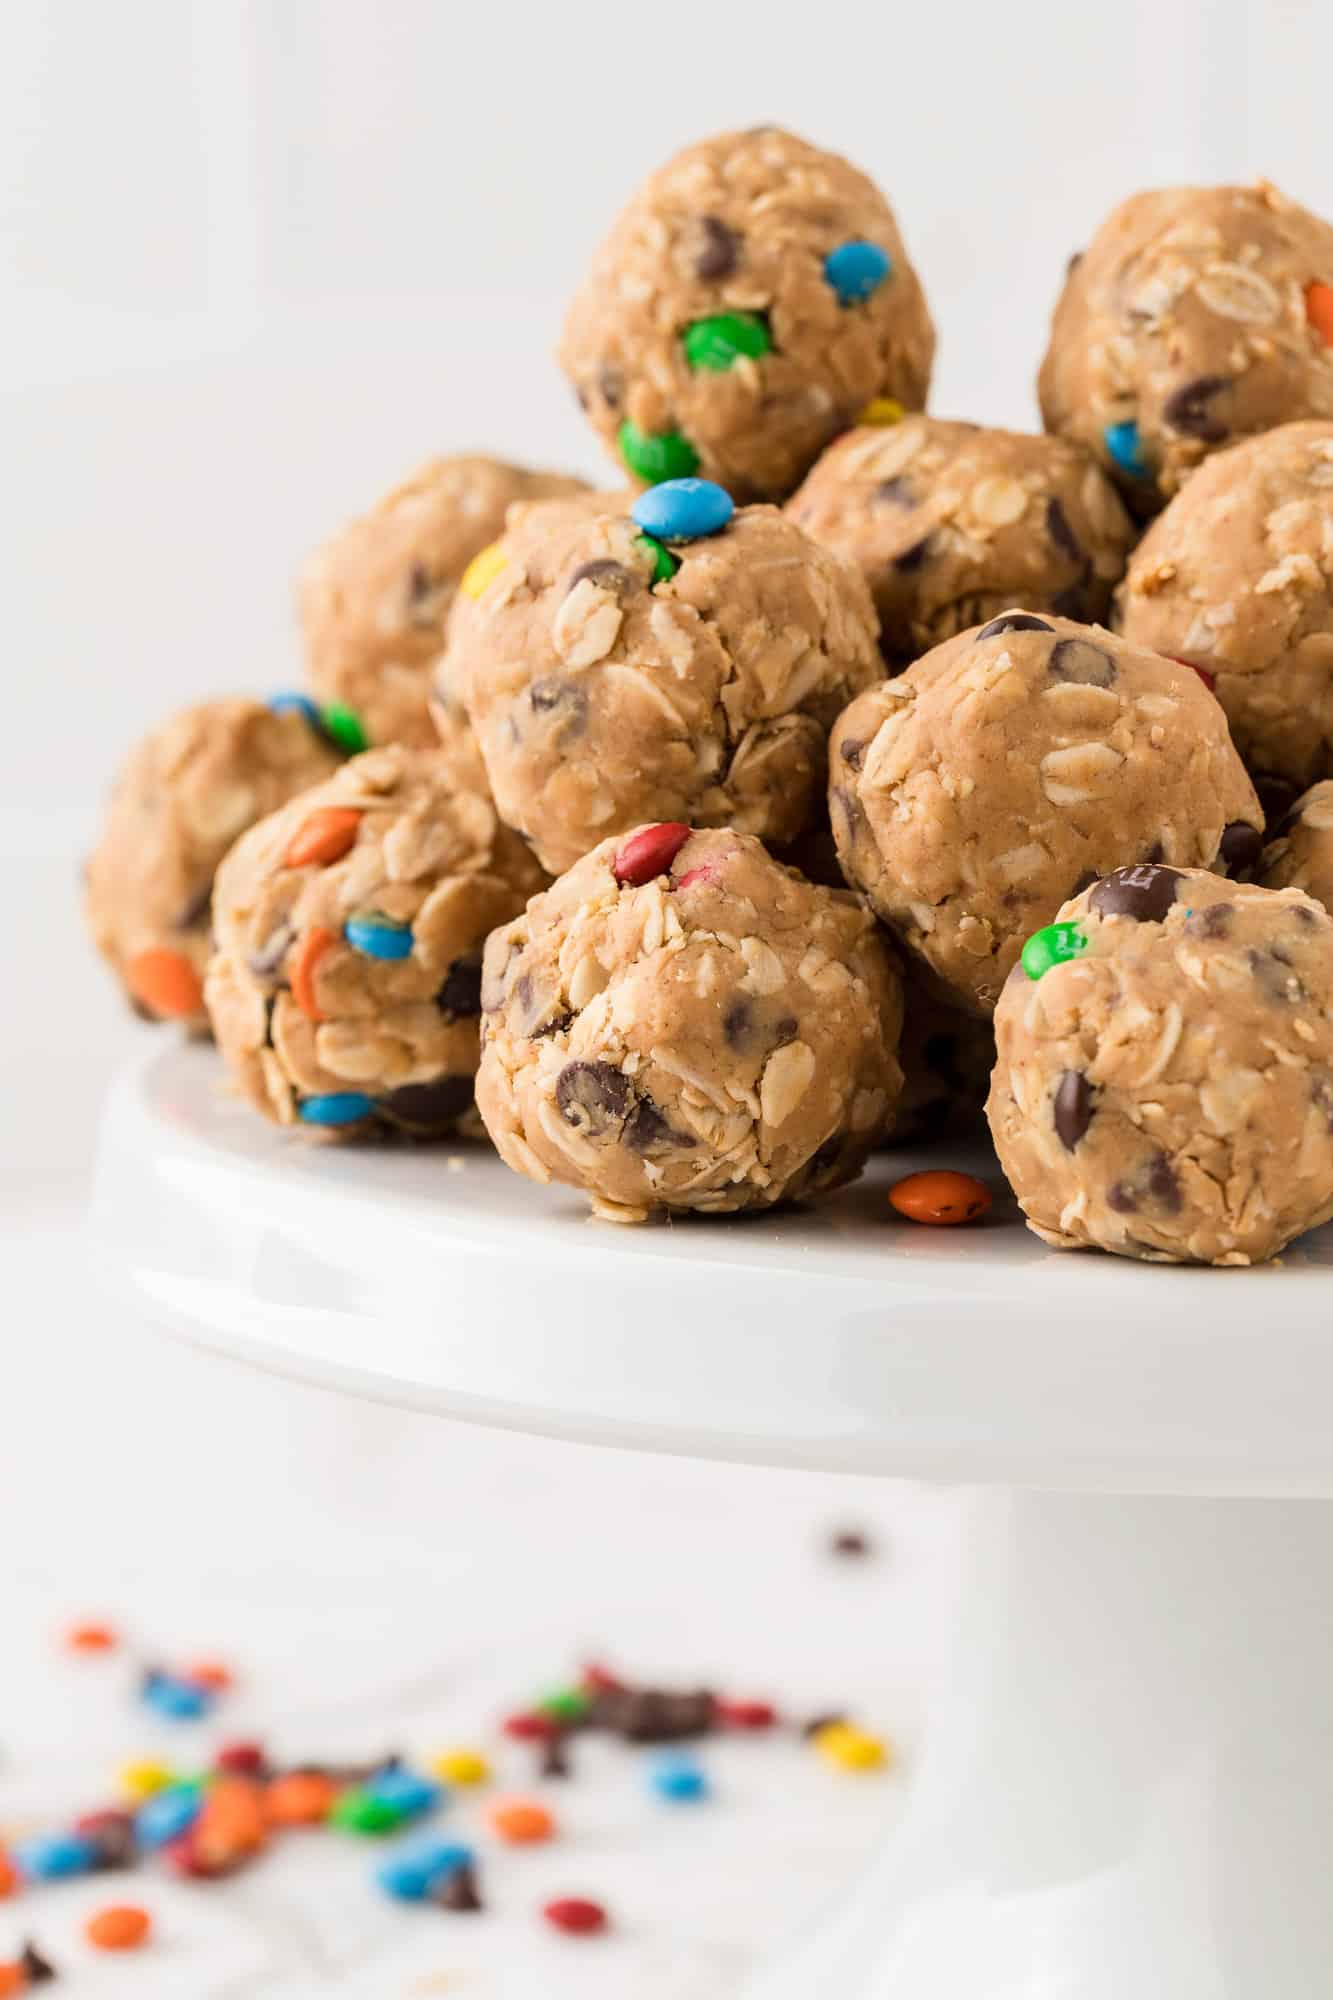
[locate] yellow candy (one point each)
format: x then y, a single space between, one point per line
461 1767
141 1779
482 570
882 411
851 1749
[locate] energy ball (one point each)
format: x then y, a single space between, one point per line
682 1023
374 600
345 990
1196 316
1013 764
1237 576
614 675
1301 854
1164 1083
946 1058
751 300
186 792
950 524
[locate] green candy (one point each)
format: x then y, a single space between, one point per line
718 343
342 726
657 455
565 1705
665 564
1053 946
359 1811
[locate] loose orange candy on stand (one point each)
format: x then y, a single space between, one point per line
302 1798
941 1197
119 1927
520 1821
92 1637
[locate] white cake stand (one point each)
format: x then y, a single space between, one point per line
1128 1787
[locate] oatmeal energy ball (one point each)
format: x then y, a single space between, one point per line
682 661
748 304
1196 316
185 794
682 1023
374 600
1012 765
345 988
1237 576
1164 1087
1300 856
950 524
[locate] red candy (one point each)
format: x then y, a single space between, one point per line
528 1728
747 1714
649 852
1209 680
596 1679
245 1759
575 1914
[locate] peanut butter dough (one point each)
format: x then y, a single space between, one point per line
345 991
1300 855
974 793
682 1023
1167 1091
950 524
714 333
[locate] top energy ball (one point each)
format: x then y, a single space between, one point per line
749 303
1195 317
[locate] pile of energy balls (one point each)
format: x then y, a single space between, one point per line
840 766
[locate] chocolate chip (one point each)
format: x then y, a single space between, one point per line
457 1890
461 991
833 1718
557 1025
1273 971
428 1108
1155 853
553 1761
1085 881
827 1159
852 754
849 1542
611 383
1078 660
1120 1197
1162 1184
1144 892
1073 603
592 1097
1240 847
1073 1108
653 1715
1014 621
194 911
911 559
1186 409
1214 921
112 1841
36 1969
1060 532
721 249
898 492
606 574
265 962
647 1127
738 1023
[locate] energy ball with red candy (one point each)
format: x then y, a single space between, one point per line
345 991
1164 1082
1196 316
375 599
1237 576
1300 855
950 523
749 302
616 673
682 1023
974 793
184 795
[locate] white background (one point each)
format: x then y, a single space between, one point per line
255 261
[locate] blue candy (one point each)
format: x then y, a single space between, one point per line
677 1779
167 1815
379 937
55 1856
679 510
406 1791
337 1107
1123 443
409 1877
855 270
280 703
182 1701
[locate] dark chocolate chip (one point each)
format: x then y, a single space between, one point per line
1073 1108
738 1023
1014 621
784 1030
1240 847
1078 660
911 559
1186 409
607 575
1304 915
1214 921
1155 853
1060 532
647 1127
721 249
553 1761
194 911
1085 881
653 1715
1273 971
611 383
1162 1184
36 1969
1120 1196
265 962
428 1108
849 1542
457 1890
897 492
461 991
852 754
553 692
1073 603
592 1097
1144 892
555 1026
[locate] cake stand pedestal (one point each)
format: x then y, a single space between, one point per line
1127 1790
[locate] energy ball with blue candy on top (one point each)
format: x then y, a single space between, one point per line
1164 1082
748 304
974 793
681 1023
664 658
345 989
188 790
1196 316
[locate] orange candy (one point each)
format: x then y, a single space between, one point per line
210 1674
233 1823
91 1638
119 1927
323 836
165 983
302 1798
308 954
1319 310
940 1197
520 1821
9 1876
13 1978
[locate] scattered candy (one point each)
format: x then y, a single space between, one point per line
323 836
110 1834
653 457
174 1697
882 411
54 1857
520 1822
210 1674
411 1877
575 1914
406 1792
678 1780
565 1705
855 270
359 1811
597 1679
336 1107
553 1761
13 1978
1055 945
379 937
165 983
281 704
940 1196
343 727
747 1714
681 510
301 1798
649 852
665 564
724 339
1319 310
245 1757
167 1815
1124 445
141 1779
34 1965
232 1825
92 1638
119 1927
526 1726
457 1890
9 1876
482 570
851 1749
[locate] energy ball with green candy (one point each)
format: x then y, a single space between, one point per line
374 600
186 792
1164 1088
974 793
1196 316
345 989
686 669
682 1023
950 523
749 302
